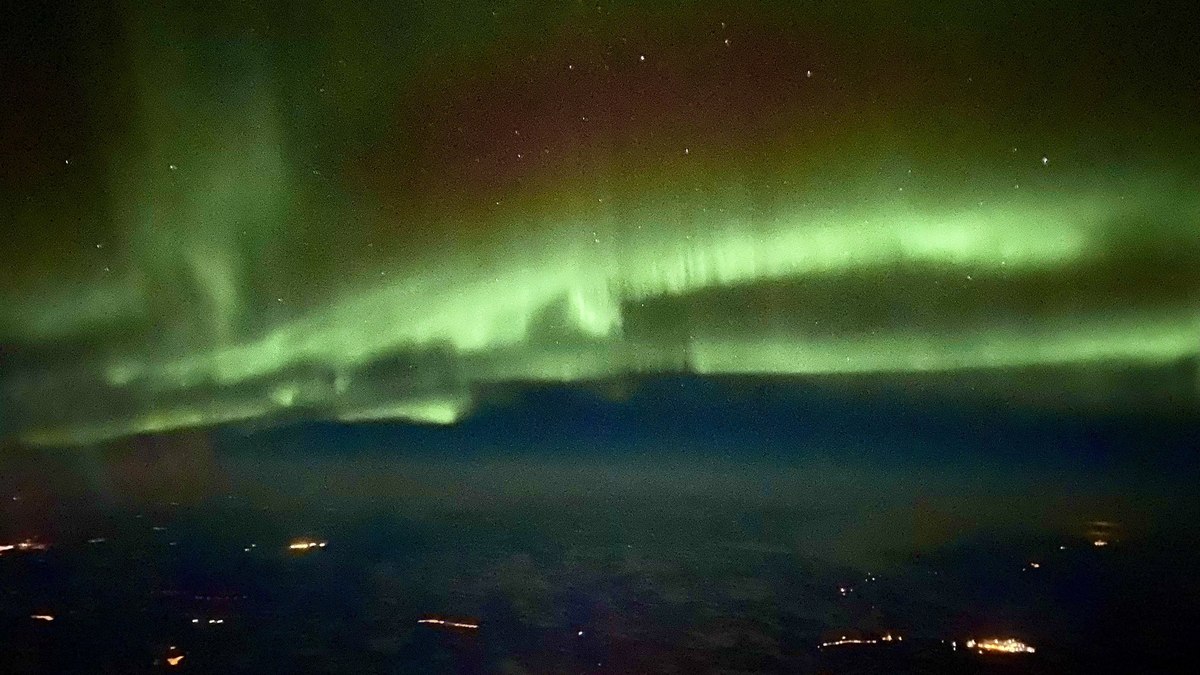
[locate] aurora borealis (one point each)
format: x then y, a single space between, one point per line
379 212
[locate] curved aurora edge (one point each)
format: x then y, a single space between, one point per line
476 314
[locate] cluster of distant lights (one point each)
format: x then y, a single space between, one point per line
994 645
26 545
177 659
984 645
981 646
32 545
1000 645
50 617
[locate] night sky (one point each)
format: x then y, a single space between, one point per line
625 336
243 212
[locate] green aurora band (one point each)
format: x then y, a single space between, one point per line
246 274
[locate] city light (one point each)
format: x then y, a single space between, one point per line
847 641
42 617
306 545
860 641
1100 542
174 660
1001 645
450 624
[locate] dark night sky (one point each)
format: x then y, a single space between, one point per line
233 212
